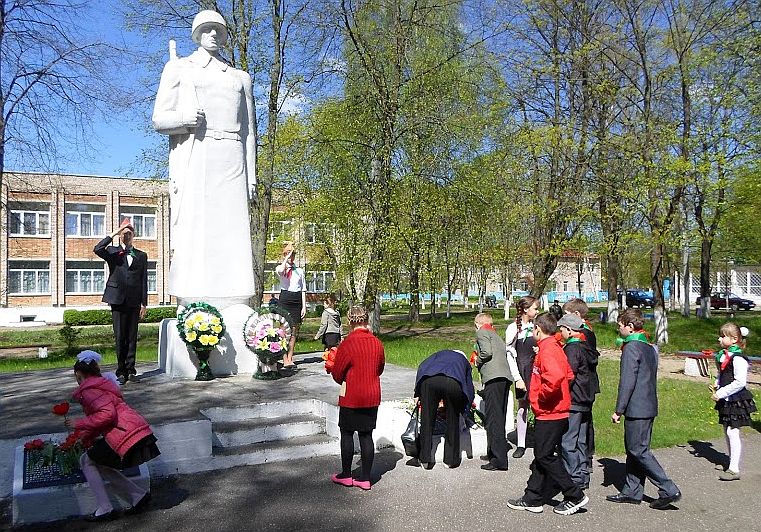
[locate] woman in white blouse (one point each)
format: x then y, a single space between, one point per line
292 296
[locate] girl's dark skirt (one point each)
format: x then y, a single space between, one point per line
357 419
331 340
102 454
291 303
735 414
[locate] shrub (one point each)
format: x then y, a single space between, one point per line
103 316
69 336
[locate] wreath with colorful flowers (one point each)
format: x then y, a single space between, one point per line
266 333
200 326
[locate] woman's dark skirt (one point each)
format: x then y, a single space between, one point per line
735 414
291 303
102 454
357 419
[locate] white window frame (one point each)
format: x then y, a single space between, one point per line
153 269
79 222
312 283
22 271
565 286
79 271
283 227
23 232
139 225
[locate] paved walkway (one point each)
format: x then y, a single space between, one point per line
298 495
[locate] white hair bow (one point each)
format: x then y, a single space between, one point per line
89 356
744 331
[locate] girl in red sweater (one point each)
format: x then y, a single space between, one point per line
358 366
127 440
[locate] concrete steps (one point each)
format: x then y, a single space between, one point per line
269 432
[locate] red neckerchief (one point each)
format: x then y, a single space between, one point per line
289 270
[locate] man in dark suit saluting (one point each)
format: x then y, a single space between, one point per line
126 292
638 402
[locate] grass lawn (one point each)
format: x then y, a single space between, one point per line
686 410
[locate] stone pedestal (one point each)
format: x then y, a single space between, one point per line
230 357
59 502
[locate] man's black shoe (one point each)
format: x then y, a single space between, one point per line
491 467
661 503
122 379
620 497
519 452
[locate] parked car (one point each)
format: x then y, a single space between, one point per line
638 298
719 300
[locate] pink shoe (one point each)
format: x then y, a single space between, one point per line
343 481
363 484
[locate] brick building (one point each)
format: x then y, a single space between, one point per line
49 224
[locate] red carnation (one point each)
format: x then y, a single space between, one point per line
61 409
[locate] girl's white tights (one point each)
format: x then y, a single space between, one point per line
735 447
522 423
95 473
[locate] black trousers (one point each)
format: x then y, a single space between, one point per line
432 390
495 394
125 332
547 468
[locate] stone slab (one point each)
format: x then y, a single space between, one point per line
59 502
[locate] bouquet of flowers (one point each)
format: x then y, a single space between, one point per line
64 456
200 326
267 335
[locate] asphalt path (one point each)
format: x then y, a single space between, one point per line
298 495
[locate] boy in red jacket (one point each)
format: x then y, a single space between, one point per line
550 397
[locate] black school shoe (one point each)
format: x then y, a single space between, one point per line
492 467
102 517
141 505
519 452
661 503
621 498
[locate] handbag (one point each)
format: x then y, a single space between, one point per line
410 436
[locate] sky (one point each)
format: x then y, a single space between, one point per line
121 137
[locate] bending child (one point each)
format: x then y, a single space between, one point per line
120 438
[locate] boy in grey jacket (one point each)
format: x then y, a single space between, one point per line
496 376
638 402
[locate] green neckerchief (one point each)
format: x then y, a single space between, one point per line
733 349
572 340
636 336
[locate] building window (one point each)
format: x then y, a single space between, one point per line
565 286
319 281
318 233
143 219
85 277
28 277
85 220
280 229
29 219
271 280
152 289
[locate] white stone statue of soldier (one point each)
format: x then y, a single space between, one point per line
206 107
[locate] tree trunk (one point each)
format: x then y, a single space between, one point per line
414 312
706 244
612 286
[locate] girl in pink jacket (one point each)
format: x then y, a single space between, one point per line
127 440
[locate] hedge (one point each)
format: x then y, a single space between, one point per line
103 316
